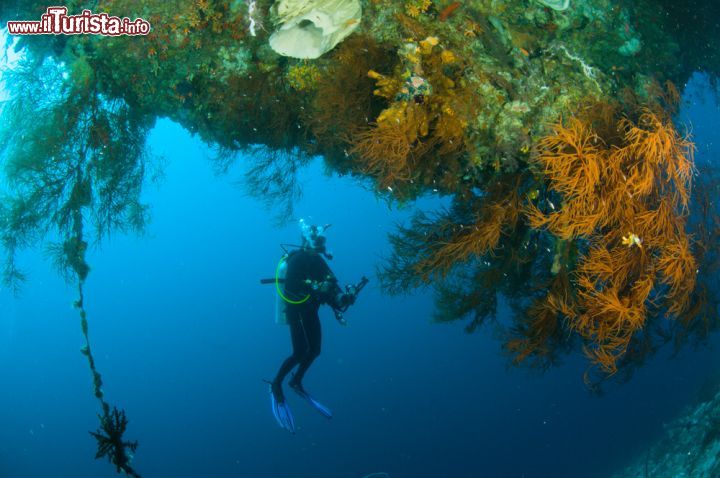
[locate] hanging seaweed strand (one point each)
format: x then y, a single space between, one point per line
75 158
113 422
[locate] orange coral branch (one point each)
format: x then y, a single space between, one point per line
627 199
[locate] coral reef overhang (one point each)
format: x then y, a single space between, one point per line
467 99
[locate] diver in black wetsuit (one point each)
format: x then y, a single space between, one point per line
308 284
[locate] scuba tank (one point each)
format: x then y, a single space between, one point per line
313 237
281 300
280 317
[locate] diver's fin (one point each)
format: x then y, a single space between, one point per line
282 412
325 411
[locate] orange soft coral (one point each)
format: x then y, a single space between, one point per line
424 124
386 150
626 198
474 240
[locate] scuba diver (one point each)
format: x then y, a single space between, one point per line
307 284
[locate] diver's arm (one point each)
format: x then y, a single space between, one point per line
341 303
333 294
341 300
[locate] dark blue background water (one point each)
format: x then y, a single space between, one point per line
184 334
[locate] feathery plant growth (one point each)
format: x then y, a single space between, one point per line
74 160
587 219
609 201
623 200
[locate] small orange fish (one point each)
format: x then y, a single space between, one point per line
449 10
350 22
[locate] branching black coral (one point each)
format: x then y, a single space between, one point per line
273 178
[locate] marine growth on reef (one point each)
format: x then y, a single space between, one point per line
550 125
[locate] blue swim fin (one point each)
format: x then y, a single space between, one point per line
325 411
282 412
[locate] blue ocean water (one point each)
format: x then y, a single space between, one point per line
184 335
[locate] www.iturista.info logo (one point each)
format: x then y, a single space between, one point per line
56 21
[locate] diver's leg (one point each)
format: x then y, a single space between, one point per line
285 369
300 347
313 333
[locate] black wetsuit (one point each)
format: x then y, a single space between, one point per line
306 268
